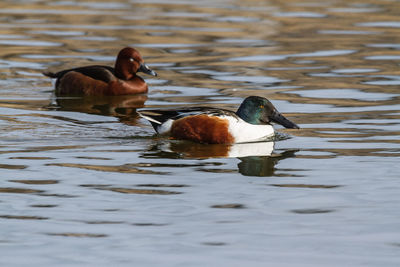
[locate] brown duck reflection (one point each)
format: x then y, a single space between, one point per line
123 107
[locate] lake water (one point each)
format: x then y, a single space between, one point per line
85 182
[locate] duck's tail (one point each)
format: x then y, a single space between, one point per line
150 116
153 117
50 74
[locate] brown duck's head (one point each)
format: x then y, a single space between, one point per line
129 62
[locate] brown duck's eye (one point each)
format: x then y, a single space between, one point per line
131 59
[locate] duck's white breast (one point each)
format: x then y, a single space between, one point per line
244 132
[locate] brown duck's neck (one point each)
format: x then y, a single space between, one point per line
123 73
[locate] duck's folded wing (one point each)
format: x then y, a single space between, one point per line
97 72
159 117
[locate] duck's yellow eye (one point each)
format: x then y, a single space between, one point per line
261 106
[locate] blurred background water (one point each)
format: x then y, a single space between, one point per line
84 181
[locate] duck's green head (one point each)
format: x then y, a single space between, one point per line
258 110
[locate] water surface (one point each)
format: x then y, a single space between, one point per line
84 181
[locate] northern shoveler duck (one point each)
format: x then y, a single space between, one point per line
250 123
105 80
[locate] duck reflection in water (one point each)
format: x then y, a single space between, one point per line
262 166
256 159
196 150
123 107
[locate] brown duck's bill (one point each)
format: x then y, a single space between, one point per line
145 69
280 119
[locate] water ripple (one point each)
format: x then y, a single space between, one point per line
383 24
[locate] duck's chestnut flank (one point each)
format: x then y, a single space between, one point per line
105 80
203 129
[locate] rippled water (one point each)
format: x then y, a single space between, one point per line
85 182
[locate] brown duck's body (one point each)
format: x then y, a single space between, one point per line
105 80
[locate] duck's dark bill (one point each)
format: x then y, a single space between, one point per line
280 119
145 69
